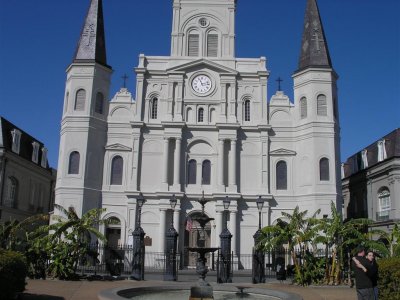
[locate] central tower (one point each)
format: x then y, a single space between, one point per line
203 28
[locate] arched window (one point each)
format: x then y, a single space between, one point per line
99 103
303 108
80 100
73 165
117 166
206 172
191 179
11 193
247 110
154 107
212 44
384 205
189 115
212 115
321 105
200 116
193 44
324 169
281 175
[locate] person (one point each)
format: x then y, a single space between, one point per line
372 272
361 267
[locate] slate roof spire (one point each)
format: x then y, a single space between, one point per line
92 45
314 47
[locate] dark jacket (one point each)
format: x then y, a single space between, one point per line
363 281
373 273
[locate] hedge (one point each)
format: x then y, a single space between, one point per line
13 271
389 278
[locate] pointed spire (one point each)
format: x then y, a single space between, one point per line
92 45
314 47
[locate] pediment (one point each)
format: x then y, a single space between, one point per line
118 147
204 63
282 152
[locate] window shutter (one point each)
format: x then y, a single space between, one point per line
281 176
193 49
117 166
206 172
321 105
192 172
324 169
99 103
212 45
247 110
200 118
73 167
80 100
303 108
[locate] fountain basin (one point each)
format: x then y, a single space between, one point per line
181 291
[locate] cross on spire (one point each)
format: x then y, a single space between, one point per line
279 80
125 77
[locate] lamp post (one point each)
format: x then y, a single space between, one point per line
171 237
258 254
138 243
224 266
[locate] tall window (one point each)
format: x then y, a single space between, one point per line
200 117
80 100
11 192
324 169
206 172
35 152
117 166
212 44
385 205
189 115
193 44
281 175
381 150
364 158
99 103
43 162
303 108
191 179
247 110
321 105
73 166
154 108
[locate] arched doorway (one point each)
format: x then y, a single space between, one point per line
113 232
195 237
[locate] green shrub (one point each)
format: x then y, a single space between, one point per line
389 278
13 271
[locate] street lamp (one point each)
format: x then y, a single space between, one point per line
224 266
171 237
258 255
138 243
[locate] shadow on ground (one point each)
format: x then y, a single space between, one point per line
26 296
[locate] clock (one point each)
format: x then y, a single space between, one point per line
201 84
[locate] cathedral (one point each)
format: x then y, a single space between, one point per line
199 125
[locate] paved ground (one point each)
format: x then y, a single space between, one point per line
86 290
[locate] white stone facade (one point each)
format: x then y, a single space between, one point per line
178 126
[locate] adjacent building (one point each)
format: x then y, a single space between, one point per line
198 125
371 181
26 181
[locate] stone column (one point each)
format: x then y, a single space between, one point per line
232 229
165 162
232 167
177 164
221 163
218 226
177 213
163 218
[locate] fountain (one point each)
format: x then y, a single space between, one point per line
203 290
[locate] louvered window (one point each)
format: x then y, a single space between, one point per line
117 167
193 45
247 110
324 169
73 166
11 193
212 45
99 103
303 108
154 107
281 175
321 105
200 118
80 100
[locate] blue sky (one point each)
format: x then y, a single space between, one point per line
38 39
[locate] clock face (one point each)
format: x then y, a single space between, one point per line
201 84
